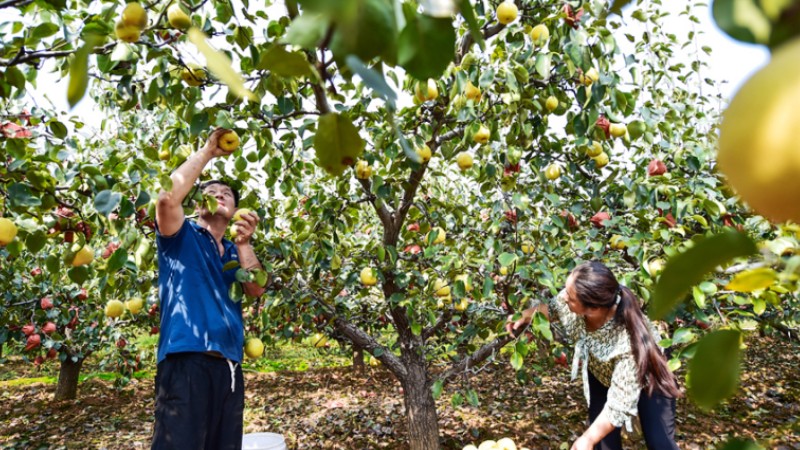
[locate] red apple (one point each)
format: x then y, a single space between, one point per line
604 124
510 169
28 329
561 359
413 249
573 18
110 249
413 227
38 361
33 341
52 353
121 343
656 167
46 303
670 221
154 330
598 219
83 295
572 222
511 216
36 272
49 328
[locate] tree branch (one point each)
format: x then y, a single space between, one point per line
12 3
477 357
443 319
24 57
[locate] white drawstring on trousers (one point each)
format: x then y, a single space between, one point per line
232 365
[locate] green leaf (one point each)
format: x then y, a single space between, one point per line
506 259
752 280
426 46
307 30
45 30
543 65
517 361
283 63
743 20
373 79
337 143
78 274
117 260
79 71
690 267
472 398
468 13
36 241
106 201
714 370
199 123
20 194
220 65
437 388
230 265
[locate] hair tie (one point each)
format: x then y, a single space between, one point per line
619 295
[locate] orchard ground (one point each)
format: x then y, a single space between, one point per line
326 405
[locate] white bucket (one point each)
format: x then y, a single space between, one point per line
263 441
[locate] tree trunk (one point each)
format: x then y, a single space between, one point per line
68 379
358 359
421 417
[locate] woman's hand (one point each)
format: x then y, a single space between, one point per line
583 443
515 327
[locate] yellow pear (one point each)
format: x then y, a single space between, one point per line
114 309
367 277
551 103
594 150
601 160
440 237
472 92
591 76
553 172
127 33
527 247
363 170
84 256
616 242
193 75
759 151
465 279
424 153
8 231
482 135
441 288
135 16
464 161
426 91
254 348
506 444
540 34
177 17
229 141
462 305
507 12
617 129
135 305
503 270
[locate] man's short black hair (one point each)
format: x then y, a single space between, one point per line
208 183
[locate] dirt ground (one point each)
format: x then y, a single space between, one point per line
337 409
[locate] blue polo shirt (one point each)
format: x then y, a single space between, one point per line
197 313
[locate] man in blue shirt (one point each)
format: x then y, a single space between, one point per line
199 383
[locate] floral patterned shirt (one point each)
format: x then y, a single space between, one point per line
606 352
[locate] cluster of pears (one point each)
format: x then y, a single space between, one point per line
115 308
501 444
132 22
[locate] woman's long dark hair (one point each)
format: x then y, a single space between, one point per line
596 286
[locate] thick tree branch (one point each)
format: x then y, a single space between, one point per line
363 340
380 208
477 357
